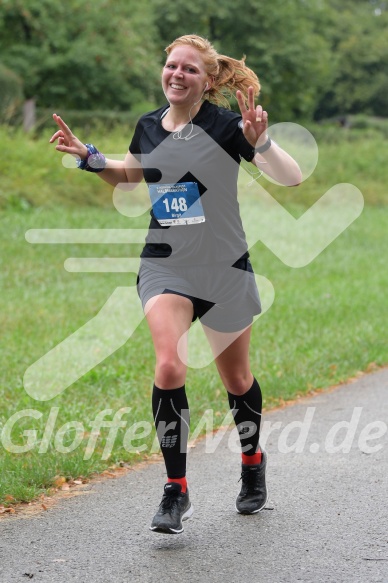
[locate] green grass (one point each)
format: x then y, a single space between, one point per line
33 175
325 324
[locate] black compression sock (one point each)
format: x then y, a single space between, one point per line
246 411
172 420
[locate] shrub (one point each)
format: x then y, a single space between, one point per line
11 95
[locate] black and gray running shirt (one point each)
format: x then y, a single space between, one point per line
208 160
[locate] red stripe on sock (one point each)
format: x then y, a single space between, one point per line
251 460
181 481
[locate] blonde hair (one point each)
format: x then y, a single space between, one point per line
228 74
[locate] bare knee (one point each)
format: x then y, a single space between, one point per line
170 373
237 383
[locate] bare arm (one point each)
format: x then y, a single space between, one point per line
274 162
128 170
115 171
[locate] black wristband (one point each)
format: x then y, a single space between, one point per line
94 161
264 147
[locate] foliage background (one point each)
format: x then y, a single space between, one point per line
315 58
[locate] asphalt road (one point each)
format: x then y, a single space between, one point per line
326 519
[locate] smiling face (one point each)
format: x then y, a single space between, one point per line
184 76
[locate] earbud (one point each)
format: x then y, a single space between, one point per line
206 87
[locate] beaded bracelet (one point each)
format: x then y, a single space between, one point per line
94 161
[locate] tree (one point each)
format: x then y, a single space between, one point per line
314 58
283 45
358 38
11 95
81 55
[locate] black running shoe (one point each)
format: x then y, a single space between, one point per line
253 495
174 507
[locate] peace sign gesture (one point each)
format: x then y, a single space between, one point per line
67 141
255 120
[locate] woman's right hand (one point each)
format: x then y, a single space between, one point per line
67 141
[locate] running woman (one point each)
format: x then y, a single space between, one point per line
195 262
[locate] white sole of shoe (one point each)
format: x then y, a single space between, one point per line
188 514
255 511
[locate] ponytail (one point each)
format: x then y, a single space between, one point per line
233 75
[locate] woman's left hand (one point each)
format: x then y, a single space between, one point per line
255 120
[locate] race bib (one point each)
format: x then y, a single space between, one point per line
176 204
